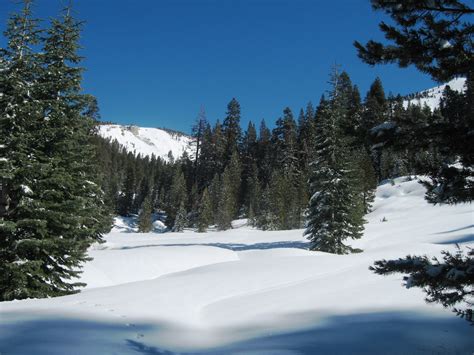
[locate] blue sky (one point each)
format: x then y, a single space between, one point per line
155 62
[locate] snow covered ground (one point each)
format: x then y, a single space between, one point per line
246 291
147 141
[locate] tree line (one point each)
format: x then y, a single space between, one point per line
262 174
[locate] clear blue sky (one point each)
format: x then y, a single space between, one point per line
155 62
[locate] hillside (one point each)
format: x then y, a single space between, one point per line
245 291
431 97
147 141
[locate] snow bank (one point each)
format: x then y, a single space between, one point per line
254 292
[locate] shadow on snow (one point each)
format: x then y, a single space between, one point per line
376 333
230 246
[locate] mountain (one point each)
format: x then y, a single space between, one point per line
147 141
432 97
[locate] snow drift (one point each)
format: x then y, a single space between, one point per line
246 291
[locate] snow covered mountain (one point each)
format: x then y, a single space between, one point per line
147 141
432 97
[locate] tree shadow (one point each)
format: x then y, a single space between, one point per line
230 246
61 335
466 238
375 333
359 334
456 230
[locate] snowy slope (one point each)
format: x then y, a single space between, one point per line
432 97
147 141
246 291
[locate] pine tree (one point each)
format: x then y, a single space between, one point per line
249 169
181 219
205 217
264 154
63 212
284 139
227 202
365 180
176 197
219 152
448 282
198 132
232 177
18 122
436 37
127 195
145 216
231 129
333 214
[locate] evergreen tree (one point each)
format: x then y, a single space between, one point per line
231 129
176 198
249 159
284 139
232 175
437 39
63 213
448 282
205 217
180 219
333 212
219 149
198 132
145 216
434 36
264 153
365 178
214 194
18 121
127 195
227 202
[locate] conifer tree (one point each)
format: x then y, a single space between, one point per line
219 149
231 129
284 139
333 214
249 159
227 202
180 219
127 195
365 178
64 211
436 37
198 132
145 216
205 217
176 197
232 175
264 154
18 122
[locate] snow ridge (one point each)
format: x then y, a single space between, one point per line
146 141
431 97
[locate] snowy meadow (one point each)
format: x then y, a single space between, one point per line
246 291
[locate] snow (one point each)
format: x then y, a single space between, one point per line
26 190
147 141
433 95
246 291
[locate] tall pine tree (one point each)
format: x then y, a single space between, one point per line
333 214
